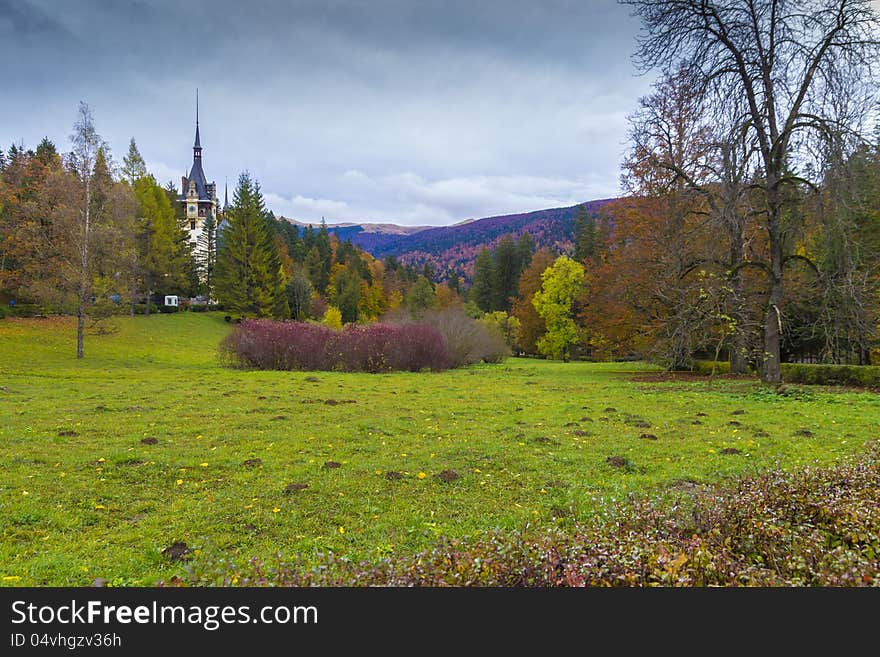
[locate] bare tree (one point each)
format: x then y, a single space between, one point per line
86 146
678 155
794 62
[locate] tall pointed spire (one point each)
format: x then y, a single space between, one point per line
226 194
198 144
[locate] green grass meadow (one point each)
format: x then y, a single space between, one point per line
82 497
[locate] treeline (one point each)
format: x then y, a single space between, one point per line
83 234
751 225
80 235
268 267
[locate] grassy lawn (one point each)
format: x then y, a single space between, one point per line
82 496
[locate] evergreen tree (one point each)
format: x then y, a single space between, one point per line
133 166
506 271
483 288
318 274
325 250
280 308
248 276
420 297
163 251
454 282
289 234
586 235
207 255
525 249
102 179
46 153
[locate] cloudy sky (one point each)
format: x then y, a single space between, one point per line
405 111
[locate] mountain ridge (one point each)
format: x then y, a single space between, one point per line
455 247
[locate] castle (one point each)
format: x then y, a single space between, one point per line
199 197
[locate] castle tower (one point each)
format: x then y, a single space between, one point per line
199 197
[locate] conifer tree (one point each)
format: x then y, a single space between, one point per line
164 253
133 166
248 278
483 288
207 248
586 235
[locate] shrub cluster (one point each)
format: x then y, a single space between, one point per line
816 527
468 340
25 310
706 366
831 375
270 345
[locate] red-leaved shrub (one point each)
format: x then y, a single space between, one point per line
416 346
270 345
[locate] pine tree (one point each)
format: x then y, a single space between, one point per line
586 235
133 168
483 289
506 271
46 153
207 248
248 278
318 274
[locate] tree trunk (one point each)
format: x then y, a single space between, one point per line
772 371
739 363
80 327
149 299
83 275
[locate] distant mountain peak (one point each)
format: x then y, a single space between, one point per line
366 227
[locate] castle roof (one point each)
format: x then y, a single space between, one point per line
196 173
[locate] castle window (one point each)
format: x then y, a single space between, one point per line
192 224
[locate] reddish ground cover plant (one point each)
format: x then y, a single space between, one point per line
816 527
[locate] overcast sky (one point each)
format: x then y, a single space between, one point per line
403 111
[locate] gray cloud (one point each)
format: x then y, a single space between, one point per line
445 110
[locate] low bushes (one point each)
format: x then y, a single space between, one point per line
25 310
437 341
270 345
831 375
468 340
816 527
706 367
